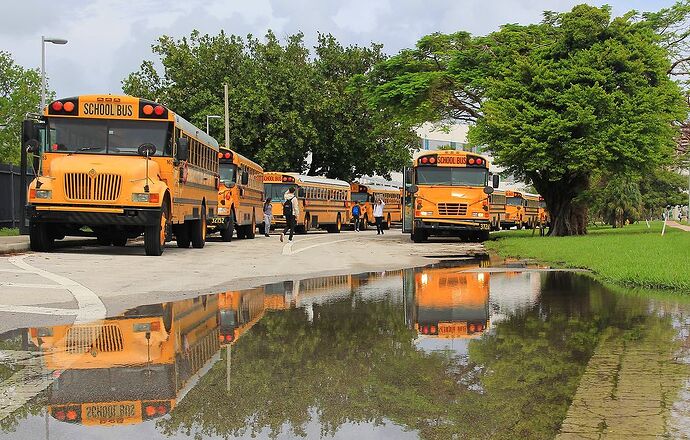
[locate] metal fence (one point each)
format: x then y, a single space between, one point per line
10 204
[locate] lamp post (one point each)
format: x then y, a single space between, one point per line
211 117
45 40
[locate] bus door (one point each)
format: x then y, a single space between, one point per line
408 200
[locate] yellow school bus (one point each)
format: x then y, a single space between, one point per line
324 203
543 212
238 312
514 210
449 303
497 209
117 167
449 195
531 210
131 368
240 196
366 196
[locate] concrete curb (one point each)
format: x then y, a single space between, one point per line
23 245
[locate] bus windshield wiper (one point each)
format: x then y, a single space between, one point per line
89 148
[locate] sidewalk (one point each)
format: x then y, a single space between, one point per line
20 243
678 226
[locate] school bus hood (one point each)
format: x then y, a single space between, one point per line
449 194
129 167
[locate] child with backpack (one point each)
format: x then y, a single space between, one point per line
291 212
356 212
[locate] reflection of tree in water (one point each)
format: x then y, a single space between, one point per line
357 363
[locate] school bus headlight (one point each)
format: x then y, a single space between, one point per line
427 213
477 214
44 194
145 197
141 327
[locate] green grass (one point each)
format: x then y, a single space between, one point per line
633 256
5 232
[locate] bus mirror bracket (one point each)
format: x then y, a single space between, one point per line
488 190
182 149
495 180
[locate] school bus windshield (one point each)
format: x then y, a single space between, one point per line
104 136
514 201
228 173
360 197
276 191
451 176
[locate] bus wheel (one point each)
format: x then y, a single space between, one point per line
103 240
182 235
307 224
364 224
387 225
120 240
40 239
167 316
154 235
226 233
251 229
336 228
482 236
199 230
418 236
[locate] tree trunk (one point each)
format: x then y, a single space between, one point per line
568 216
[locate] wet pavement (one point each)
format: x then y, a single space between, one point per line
456 350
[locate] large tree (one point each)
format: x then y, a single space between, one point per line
585 93
20 93
287 105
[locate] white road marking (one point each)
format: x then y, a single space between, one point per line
38 310
12 271
30 286
287 249
26 383
313 246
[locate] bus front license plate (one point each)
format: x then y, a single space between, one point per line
217 220
484 226
107 412
452 328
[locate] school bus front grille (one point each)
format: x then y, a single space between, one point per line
102 338
452 209
100 188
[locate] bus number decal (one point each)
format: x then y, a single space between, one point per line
107 109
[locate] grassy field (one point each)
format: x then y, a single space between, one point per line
4 232
631 256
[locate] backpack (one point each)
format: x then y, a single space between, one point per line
287 207
355 210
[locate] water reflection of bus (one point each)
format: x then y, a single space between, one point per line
238 311
448 303
127 369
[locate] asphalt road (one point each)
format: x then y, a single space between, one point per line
91 282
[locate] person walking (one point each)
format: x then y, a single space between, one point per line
378 216
291 212
268 216
356 212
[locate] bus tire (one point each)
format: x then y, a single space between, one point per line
40 239
182 235
337 227
167 317
483 236
364 224
154 235
306 225
198 232
227 231
387 224
251 229
418 236
103 240
120 240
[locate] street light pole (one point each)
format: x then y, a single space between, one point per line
45 40
210 117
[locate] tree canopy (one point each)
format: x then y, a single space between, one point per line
20 93
290 109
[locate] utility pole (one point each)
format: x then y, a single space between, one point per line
227 119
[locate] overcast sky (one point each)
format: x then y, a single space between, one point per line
108 38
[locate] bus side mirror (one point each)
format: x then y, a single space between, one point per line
245 178
488 190
182 149
495 180
301 192
413 189
32 146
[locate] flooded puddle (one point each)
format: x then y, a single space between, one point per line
436 353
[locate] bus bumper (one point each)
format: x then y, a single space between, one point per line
84 215
440 226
